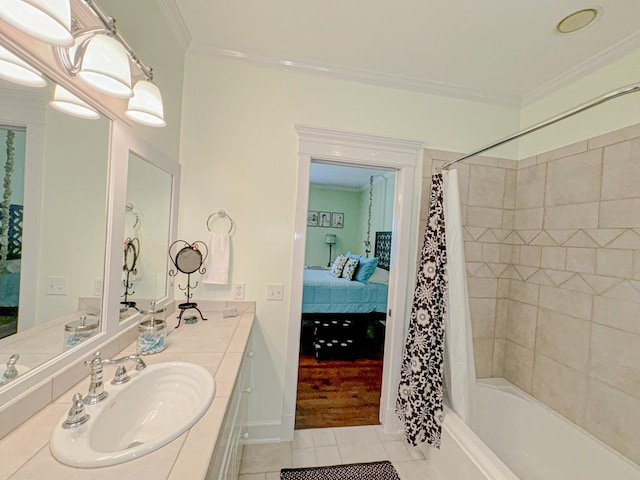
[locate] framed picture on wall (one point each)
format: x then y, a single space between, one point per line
312 219
337 220
324 219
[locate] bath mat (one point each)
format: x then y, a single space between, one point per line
355 471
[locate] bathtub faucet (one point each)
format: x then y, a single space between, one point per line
11 372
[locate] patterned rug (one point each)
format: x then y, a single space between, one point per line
356 471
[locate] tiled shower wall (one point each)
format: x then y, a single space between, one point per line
554 278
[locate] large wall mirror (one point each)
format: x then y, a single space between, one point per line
53 200
64 191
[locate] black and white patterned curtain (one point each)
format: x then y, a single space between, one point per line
419 402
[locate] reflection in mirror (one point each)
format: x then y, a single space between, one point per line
53 200
147 223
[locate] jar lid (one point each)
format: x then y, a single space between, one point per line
152 324
82 325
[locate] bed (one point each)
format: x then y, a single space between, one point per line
343 317
324 293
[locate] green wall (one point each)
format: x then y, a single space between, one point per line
333 199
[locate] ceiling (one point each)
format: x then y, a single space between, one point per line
498 51
341 176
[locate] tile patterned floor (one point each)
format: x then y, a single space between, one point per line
333 446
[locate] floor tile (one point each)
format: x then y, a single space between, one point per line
303 457
267 457
323 437
328 456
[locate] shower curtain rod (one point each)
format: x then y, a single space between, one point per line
635 87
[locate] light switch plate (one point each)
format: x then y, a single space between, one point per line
275 291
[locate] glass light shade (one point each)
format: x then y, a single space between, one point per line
330 239
105 67
145 106
66 102
46 20
16 70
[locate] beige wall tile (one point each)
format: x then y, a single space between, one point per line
518 365
521 324
483 315
527 162
582 215
563 338
484 217
616 136
524 292
483 356
508 219
621 170
614 263
491 253
575 304
553 257
612 416
561 152
560 387
574 179
503 287
482 287
620 214
581 260
473 251
530 186
615 358
530 255
502 311
528 219
498 358
617 314
486 186
510 188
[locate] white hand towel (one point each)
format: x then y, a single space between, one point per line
218 260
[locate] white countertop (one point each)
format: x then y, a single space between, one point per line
217 344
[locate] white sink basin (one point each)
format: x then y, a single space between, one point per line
156 406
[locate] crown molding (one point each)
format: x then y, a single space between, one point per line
358 75
176 22
624 47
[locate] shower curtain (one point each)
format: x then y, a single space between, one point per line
440 303
419 401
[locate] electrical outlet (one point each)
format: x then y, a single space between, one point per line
56 286
238 291
97 287
275 291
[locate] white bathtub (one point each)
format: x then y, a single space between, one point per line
520 438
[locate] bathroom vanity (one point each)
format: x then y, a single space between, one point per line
210 449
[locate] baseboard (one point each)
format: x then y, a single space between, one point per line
264 432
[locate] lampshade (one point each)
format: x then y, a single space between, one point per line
16 70
330 239
145 106
105 67
46 20
66 102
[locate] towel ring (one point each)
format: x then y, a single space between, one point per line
219 214
130 208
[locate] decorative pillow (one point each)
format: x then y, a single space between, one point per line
338 265
380 276
350 268
352 255
365 269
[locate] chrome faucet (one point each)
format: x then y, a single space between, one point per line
96 386
11 372
77 415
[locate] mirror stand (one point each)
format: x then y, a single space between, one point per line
131 253
188 260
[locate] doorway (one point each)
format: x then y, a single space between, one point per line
343 320
369 151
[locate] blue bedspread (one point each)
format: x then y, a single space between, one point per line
324 293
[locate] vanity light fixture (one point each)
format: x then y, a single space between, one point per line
145 106
66 102
46 20
16 70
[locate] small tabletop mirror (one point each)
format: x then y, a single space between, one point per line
188 258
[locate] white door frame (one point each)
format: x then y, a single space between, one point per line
348 148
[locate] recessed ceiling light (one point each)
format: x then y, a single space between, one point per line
577 21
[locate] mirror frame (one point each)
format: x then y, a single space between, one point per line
122 141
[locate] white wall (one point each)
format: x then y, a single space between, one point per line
239 153
616 114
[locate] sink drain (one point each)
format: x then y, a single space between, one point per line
134 444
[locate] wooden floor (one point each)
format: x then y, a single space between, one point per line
338 393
